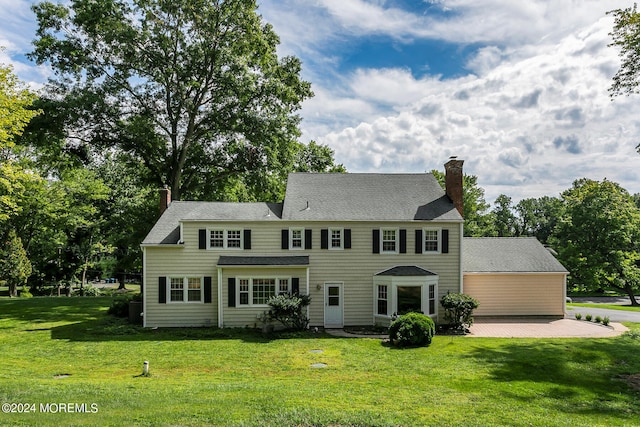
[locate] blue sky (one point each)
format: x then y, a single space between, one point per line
516 89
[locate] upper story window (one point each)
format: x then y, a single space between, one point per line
431 240
335 238
225 239
296 238
389 240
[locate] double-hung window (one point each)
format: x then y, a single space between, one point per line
431 240
335 238
185 289
383 300
225 239
389 241
296 236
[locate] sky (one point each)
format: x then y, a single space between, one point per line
517 89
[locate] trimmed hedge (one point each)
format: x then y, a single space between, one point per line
412 330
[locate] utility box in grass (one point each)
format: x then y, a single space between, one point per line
135 312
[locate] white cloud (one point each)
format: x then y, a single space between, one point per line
527 126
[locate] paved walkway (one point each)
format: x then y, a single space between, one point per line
524 328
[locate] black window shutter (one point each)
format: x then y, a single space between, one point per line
295 285
324 239
202 239
207 290
247 239
347 238
445 241
162 290
308 235
418 241
285 239
403 241
232 291
376 241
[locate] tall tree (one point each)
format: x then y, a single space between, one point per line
599 237
193 89
15 267
505 221
538 217
626 36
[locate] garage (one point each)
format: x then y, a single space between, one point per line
513 277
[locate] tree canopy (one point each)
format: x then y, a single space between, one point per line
598 237
192 89
626 36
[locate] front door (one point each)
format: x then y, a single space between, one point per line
333 305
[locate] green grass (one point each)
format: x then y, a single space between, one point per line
240 378
607 306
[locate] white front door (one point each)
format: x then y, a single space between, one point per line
333 305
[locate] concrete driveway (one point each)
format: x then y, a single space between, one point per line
613 315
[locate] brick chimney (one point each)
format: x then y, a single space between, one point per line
165 199
453 182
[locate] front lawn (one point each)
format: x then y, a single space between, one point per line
68 351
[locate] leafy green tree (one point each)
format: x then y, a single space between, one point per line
15 267
538 217
599 237
192 89
477 219
505 222
626 36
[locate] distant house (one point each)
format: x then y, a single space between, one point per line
365 247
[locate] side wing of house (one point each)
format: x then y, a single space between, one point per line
513 277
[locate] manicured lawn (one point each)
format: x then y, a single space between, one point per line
607 306
240 378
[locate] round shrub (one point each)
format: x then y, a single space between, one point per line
412 330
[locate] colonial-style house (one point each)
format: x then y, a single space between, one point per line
363 246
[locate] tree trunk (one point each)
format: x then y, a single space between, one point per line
632 297
13 290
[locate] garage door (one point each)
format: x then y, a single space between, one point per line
516 294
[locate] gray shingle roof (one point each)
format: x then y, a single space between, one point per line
406 270
366 197
508 255
263 260
167 229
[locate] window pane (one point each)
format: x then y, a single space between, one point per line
296 238
177 289
334 301
194 291
336 238
263 289
233 238
243 287
431 241
409 299
432 299
388 240
283 287
382 306
217 239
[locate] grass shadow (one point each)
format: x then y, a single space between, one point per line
570 371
